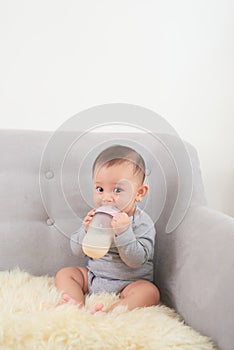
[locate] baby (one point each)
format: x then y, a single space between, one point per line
127 268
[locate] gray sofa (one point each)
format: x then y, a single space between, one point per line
45 193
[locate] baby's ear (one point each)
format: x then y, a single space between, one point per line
142 191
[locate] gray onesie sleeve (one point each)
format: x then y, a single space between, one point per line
136 247
76 242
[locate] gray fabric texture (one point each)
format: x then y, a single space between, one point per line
43 200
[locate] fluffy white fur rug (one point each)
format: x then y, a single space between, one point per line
30 319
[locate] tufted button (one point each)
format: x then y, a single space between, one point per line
50 222
49 174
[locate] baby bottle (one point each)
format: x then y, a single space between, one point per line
99 236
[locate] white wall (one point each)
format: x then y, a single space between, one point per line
59 57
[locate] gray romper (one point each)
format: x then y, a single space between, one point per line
129 259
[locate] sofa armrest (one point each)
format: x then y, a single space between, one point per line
198 276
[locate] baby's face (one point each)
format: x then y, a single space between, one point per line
117 185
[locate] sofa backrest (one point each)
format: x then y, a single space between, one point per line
46 190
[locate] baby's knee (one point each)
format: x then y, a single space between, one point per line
153 293
65 272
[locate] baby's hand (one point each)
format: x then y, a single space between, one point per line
89 218
120 223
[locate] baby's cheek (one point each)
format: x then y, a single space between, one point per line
96 201
123 202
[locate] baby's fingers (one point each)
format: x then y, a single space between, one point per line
89 218
90 215
91 212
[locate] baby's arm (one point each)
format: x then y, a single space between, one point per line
76 241
136 247
78 236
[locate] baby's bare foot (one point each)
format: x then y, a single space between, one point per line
97 309
67 299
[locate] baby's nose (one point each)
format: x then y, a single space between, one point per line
107 198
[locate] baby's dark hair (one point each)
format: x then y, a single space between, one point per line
119 154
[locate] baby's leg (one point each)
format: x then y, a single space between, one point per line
73 281
138 294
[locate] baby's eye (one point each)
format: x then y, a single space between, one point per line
117 190
99 189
